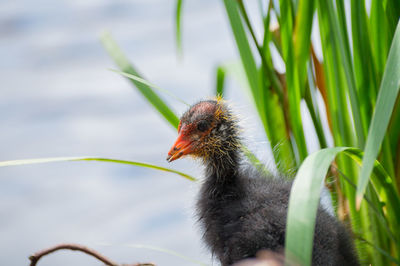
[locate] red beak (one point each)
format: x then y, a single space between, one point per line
182 146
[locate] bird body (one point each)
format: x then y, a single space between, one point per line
241 210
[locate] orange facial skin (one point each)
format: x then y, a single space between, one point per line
182 146
189 141
194 131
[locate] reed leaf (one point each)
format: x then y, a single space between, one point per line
246 55
178 30
387 96
82 158
151 85
379 36
302 40
342 53
304 200
125 66
294 89
303 204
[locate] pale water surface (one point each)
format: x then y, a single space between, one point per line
57 98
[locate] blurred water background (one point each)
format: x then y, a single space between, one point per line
59 99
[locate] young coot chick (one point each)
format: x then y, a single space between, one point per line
241 210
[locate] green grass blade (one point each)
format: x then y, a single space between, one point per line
304 200
145 82
389 203
347 69
337 107
387 96
364 68
63 159
220 81
394 133
178 31
278 134
302 37
271 99
294 88
303 204
392 9
312 106
373 204
246 55
279 137
386 190
123 63
385 253
264 53
379 36
252 73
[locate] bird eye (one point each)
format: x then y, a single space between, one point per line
202 126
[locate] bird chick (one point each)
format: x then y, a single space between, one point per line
240 209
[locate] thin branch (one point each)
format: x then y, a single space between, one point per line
76 247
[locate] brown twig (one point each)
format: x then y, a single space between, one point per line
76 247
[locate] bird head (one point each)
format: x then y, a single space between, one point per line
206 129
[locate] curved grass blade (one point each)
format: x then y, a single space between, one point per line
124 64
303 204
304 200
388 93
372 204
387 193
178 31
385 253
145 82
61 159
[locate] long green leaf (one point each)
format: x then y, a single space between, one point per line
145 82
387 96
392 9
61 159
292 78
337 95
343 52
178 31
246 55
379 35
364 68
302 37
304 200
271 98
386 190
303 204
124 64
253 77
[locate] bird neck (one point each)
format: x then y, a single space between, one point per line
222 174
223 157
